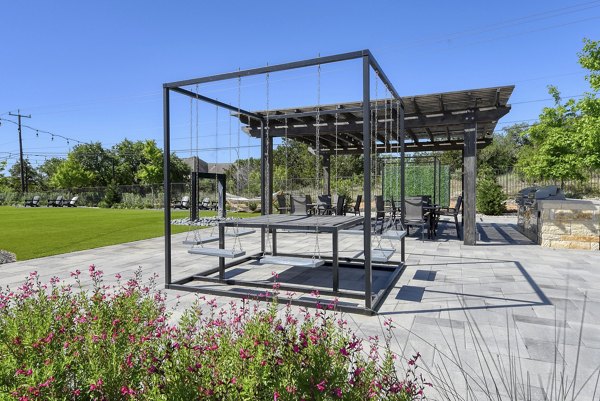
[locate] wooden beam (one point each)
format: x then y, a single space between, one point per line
411 133
417 122
429 134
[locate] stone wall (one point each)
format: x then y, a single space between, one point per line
572 224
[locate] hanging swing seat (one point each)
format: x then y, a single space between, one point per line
381 254
352 232
222 253
394 234
199 241
291 261
239 233
378 254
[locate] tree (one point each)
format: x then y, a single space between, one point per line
564 143
3 179
47 170
150 171
128 157
31 175
503 152
71 174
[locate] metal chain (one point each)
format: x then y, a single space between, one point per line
191 125
318 125
317 250
286 156
237 170
268 240
336 155
197 125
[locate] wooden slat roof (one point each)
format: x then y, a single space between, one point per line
432 122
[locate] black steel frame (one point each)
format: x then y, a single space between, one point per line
368 62
221 191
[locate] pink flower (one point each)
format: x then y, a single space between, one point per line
127 391
338 392
275 396
244 354
97 385
321 386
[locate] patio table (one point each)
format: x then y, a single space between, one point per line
311 223
433 211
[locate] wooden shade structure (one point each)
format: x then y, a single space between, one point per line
433 122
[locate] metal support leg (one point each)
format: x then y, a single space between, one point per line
274 235
335 263
221 246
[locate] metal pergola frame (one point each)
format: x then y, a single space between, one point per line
368 62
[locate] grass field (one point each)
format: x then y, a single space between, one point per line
36 232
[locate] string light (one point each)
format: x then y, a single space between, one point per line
38 131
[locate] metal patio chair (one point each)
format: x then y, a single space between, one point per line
452 212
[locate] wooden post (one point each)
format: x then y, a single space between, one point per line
326 174
470 176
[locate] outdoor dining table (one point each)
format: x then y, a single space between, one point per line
433 211
304 223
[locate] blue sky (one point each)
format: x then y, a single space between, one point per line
93 70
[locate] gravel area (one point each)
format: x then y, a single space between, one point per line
204 222
7 257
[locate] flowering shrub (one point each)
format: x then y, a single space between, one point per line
116 343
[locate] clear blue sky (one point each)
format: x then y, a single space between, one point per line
93 70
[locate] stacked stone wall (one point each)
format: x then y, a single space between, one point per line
571 224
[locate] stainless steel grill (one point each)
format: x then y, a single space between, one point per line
529 213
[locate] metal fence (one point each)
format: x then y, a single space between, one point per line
514 181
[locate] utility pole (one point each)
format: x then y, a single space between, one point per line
19 115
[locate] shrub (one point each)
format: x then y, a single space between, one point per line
111 196
116 343
253 206
490 198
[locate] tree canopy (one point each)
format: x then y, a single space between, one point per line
565 143
92 165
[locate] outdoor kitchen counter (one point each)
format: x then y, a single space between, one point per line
568 223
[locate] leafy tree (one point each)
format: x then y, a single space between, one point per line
71 174
502 154
3 179
565 142
150 170
94 159
48 169
31 175
128 157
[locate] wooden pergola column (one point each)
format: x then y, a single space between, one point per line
470 177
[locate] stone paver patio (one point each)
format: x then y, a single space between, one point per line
477 314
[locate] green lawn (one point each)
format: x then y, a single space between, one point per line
36 232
